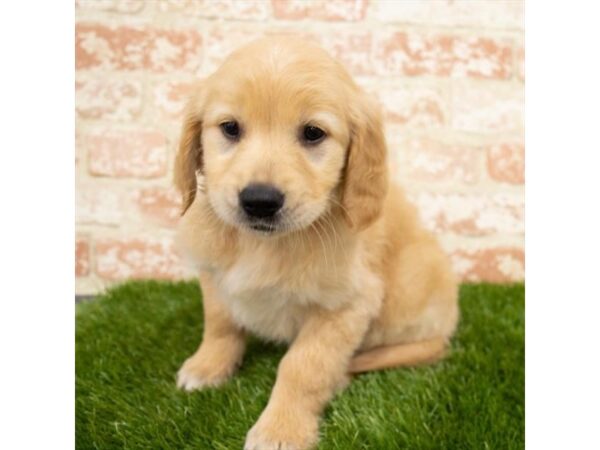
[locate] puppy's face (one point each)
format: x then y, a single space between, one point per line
273 128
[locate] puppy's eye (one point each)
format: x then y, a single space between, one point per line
312 134
231 129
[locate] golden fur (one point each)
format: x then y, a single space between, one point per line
350 279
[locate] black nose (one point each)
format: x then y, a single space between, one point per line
261 200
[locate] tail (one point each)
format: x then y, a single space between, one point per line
399 355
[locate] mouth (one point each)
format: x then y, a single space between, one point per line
263 228
281 223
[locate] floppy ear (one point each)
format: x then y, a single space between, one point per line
189 155
366 176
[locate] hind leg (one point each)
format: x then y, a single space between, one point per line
421 299
416 353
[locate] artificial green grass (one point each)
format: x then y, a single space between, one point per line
132 340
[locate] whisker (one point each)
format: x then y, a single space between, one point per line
312 225
339 204
320 224
329 220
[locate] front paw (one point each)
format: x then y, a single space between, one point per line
288 431
200 371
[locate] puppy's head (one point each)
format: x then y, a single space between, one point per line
282 136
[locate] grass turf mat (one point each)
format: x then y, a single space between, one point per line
131 341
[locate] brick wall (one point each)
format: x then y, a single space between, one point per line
449 75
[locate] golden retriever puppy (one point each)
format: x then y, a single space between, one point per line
298 236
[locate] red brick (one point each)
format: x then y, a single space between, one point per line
495 265
120 6
506 162
329 10
219 9
127 154
428 160
472 214
82 257
192 7
352 48
170 97
79 150
520 65
108 99
159 204
414 106
412 54
136 48
456 13
99 203
119 259
483 108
